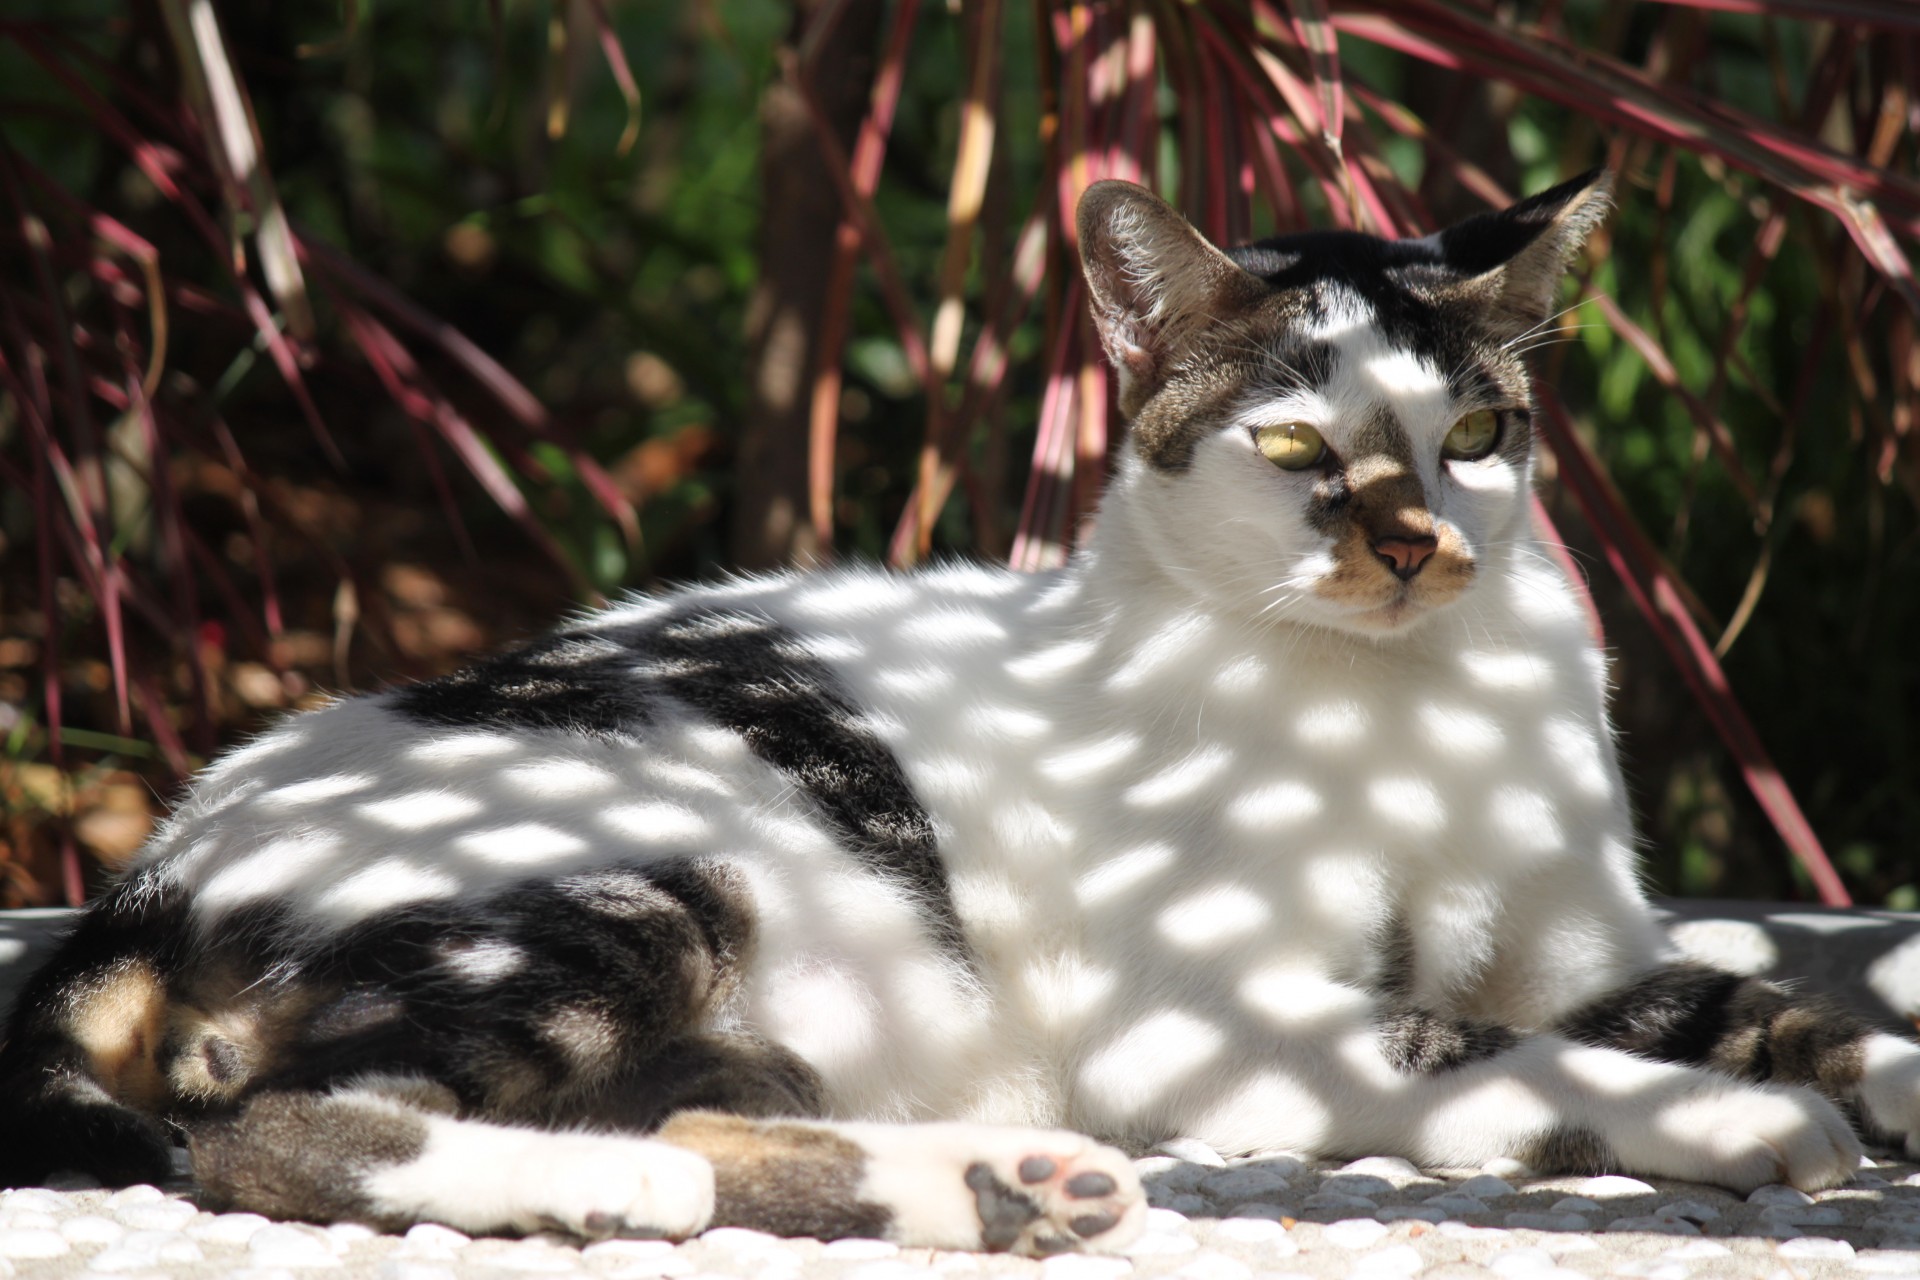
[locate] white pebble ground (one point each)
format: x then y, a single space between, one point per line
1262 1218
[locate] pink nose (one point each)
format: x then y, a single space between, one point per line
1405 555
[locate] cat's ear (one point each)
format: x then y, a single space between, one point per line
1515 257
1155 283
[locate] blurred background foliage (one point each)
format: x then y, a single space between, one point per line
569 297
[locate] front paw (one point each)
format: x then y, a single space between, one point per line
594 1186
1747 1136
1889 1090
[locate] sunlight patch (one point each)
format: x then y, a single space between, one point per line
297 795
1213 917
1086 761
1278 804
1118 874
522 842
419 810
1408 802
1460 732
1139 1066
654 822
1527 819
1179 781
1339 723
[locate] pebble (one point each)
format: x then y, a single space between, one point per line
227 1228
1157 1243
1357 1184
1262 1229
291 1246
1456 1202
407 1269
1247 1182
1084 1266
1814 1247
1383 1167
1813 1215
1612 1186
1514 1262
1576 1204
1485 1186
30 1200
157 1215
1186 1203
1693 1210
627 1250
1428 1212
1340 1202
91 1228
123 1259
1535 1221
1661 1224
1353 1233
32 1242
1395 1260
139 1193
1215 1266
1778 1195
421 1238
1175 1175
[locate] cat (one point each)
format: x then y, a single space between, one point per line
1286 816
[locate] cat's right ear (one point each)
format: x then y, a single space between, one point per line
1155 283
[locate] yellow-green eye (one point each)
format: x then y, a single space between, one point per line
1473 436
1291 446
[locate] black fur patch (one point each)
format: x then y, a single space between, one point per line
1702 1016
570 682
752 675
743 671
1395 958
53 1111
1570 1149
528 1003
1422 1043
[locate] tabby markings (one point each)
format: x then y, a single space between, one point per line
750 677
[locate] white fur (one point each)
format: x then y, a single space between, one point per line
486 1177
1178 796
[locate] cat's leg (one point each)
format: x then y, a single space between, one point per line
391 1152
1759 1030
952 1186
1381 1077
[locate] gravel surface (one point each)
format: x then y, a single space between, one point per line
1272 1217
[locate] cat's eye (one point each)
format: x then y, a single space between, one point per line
1472 437
1291 446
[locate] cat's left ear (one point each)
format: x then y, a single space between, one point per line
1515 258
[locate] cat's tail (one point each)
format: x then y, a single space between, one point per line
80 1079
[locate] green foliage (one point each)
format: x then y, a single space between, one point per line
616 287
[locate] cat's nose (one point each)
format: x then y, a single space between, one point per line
1405 555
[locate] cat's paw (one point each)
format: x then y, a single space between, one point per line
1747 1136
1889 1090
1051 1196
1034 1192
595 1187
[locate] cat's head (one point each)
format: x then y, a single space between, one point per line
1329 427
